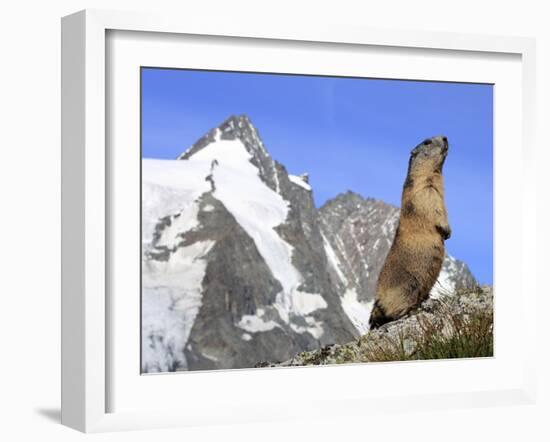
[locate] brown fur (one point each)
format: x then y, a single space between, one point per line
416 255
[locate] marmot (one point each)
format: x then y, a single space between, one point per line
417 252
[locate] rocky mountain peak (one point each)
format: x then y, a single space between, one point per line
237 126
351 201
240 128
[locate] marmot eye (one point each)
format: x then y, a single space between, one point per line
427 142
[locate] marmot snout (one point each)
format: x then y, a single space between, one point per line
417 252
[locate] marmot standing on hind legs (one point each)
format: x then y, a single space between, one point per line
416 255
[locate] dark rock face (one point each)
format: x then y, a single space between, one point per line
237 283
303 231
241 313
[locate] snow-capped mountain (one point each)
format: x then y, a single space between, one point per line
238 265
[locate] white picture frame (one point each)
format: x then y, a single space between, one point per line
86 314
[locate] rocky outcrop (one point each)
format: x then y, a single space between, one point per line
450 326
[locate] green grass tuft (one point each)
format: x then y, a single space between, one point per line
456 336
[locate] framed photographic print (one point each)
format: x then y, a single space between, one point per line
251 212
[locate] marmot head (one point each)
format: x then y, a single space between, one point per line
428 157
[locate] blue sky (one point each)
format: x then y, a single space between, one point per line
348 133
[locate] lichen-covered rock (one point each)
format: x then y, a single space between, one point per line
460 325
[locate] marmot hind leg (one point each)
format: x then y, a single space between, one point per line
396 304
378 316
